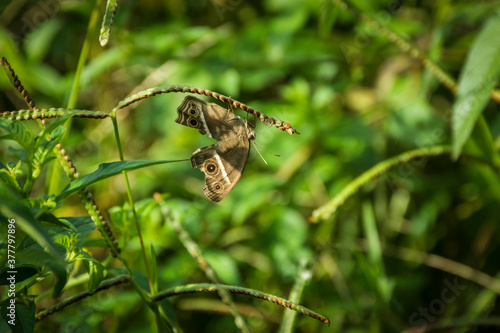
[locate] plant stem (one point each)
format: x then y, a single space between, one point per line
73 97
132 205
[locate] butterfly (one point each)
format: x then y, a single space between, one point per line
223 162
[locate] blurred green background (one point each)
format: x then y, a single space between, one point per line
383 263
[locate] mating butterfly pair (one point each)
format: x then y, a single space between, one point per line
223 162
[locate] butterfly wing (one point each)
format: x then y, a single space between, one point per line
209 118
224 162
222 168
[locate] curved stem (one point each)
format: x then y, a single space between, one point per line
327 210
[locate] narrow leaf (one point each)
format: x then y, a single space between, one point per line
481 72
155 269
106 170
303 277
374 250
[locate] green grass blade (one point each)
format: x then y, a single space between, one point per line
106 170
374 250
481 72
303 277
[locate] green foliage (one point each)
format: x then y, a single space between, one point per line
382 215
104 171
479 76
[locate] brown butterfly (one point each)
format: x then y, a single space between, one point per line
223 162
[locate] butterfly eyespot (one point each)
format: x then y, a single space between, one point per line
193 122
217 187
192 111
211 168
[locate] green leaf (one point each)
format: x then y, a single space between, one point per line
481 143
83 224
23 317
68 243
96 270
374 249
54 128
38 258
25 221
19 154
303 277
8 176
23 272
16 131
44 150
481 72
154 268
168 312
55 222
43 145
106 170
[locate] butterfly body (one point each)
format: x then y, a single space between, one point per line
223 162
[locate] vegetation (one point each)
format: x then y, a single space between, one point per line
381 215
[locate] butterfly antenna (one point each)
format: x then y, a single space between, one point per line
258 152
270 152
